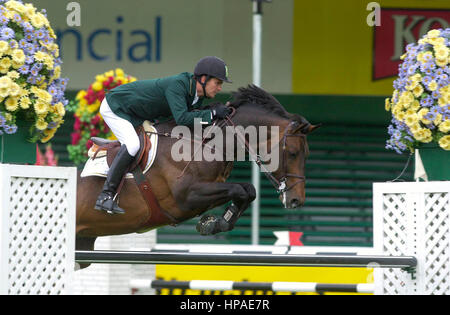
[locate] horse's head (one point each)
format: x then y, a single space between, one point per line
260 108
293 152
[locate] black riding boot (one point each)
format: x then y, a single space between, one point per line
106 200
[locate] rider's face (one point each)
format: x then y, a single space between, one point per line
213 87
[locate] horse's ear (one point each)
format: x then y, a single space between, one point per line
311 128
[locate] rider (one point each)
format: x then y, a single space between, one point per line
128 106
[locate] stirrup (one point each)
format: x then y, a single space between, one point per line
111 206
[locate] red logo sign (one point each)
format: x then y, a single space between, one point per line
400 27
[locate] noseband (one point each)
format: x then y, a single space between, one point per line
279 184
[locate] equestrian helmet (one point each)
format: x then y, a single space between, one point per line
212 67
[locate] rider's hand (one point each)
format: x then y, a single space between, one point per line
220 111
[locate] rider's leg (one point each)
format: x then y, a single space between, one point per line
127 136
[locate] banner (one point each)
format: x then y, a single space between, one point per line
338 51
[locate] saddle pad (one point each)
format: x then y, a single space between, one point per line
99 166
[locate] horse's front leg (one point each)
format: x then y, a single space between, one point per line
201 195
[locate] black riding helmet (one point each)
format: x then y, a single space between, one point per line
212 67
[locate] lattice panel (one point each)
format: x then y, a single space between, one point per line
395 234
38 227
437 229
38 234
413 219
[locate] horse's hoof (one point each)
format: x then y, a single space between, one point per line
207 225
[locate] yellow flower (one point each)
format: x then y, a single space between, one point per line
423 112
407 98
40 56
438 120
423 135
5 62
120 72
13 74
36 20
49 62
387 104
415 105
441 62
25 102
411 119
43 95
100 78
97 86
80 95
60 109
415 128
8 117
444 143
445 126
14 89
49 133
41 124
418 90
4 92
400 116
109 74
94 107
433 33
18 56
40 107
5 82
4 46
433 86
441 51
11 104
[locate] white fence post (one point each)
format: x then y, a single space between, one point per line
413 219
37 229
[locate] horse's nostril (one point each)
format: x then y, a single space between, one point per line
295 203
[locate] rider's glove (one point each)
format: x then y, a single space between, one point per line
220 111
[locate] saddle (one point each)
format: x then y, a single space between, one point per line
158 216
112 148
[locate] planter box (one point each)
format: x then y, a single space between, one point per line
16 149
436 162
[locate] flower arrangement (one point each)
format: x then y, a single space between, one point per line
30 85
88 121
420 104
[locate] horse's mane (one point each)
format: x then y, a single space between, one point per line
253 95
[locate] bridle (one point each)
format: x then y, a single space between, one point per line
278 183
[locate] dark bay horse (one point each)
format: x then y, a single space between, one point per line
202 185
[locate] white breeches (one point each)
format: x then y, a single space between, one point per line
122 128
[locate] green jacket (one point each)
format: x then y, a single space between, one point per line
159 98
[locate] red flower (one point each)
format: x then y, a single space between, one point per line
105 128
76 137
101 95
89 144
94 132
95 120
77 124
